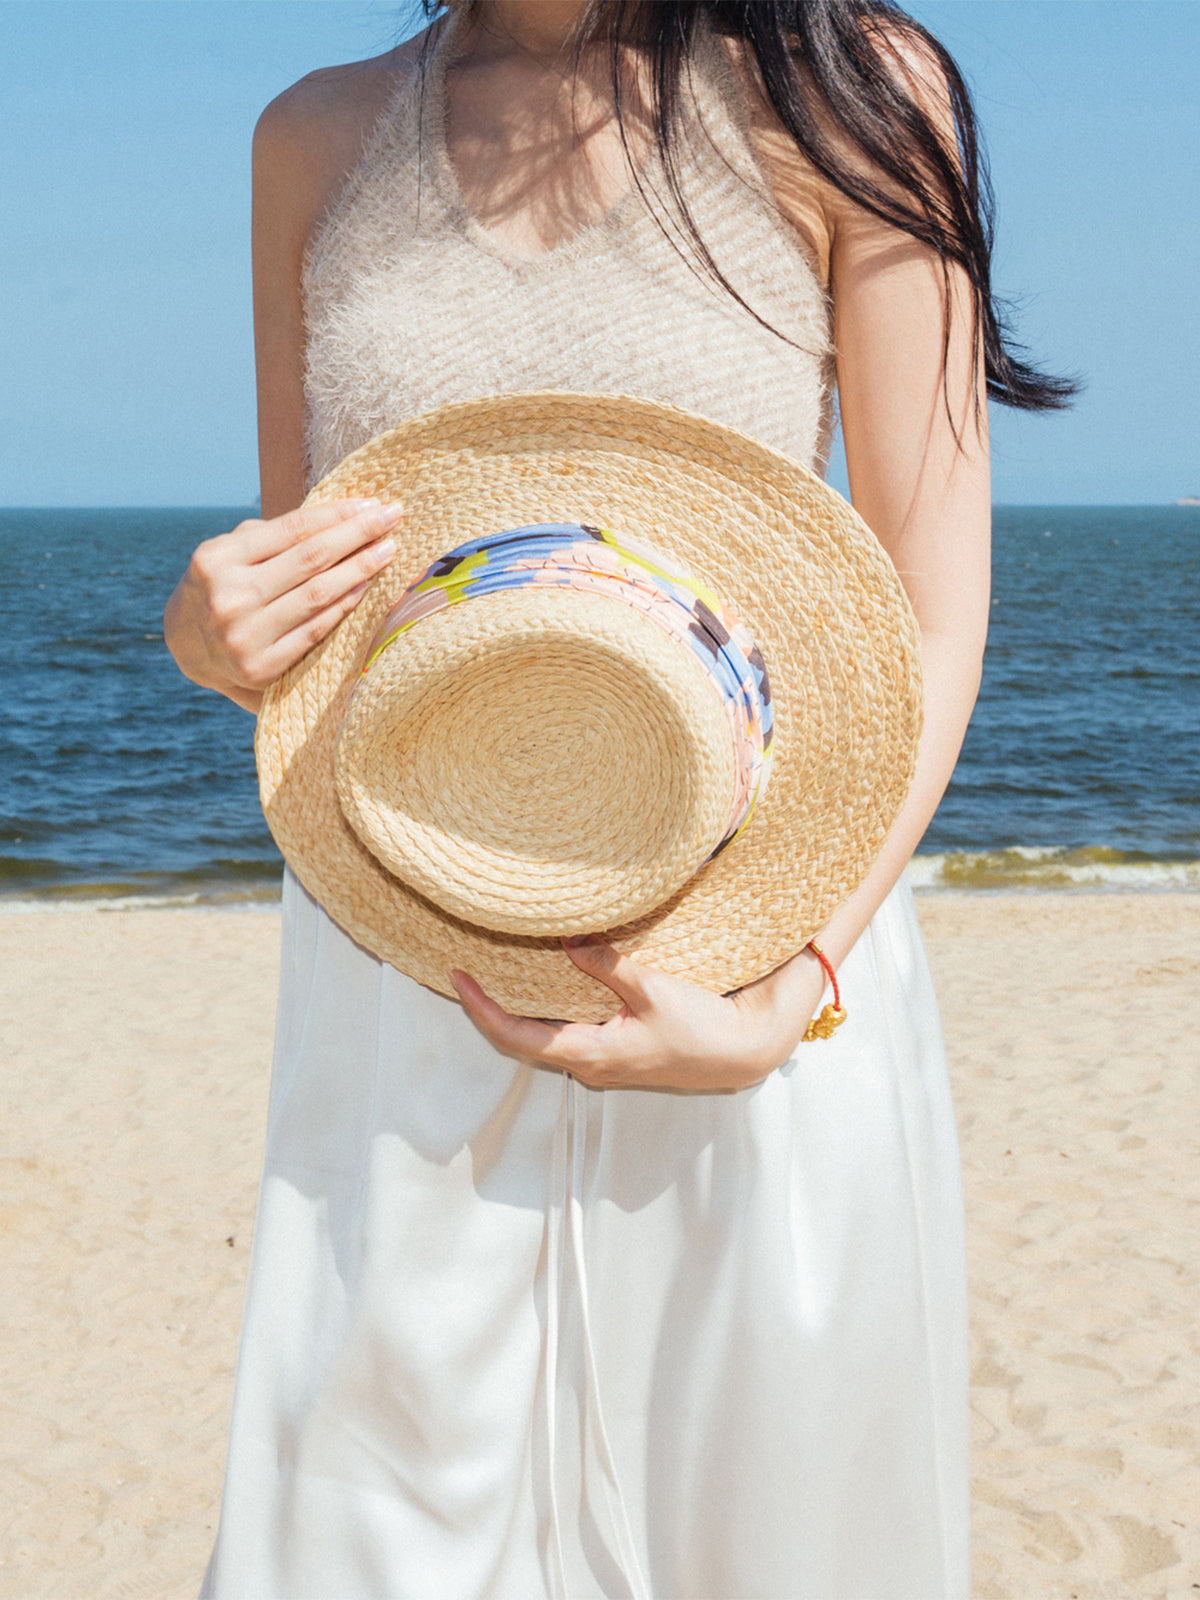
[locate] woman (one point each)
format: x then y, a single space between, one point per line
512 1331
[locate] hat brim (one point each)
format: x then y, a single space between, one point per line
811 582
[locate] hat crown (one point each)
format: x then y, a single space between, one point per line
567 750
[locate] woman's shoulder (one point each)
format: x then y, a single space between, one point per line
309 139
817 208
336 103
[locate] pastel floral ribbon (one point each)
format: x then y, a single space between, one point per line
571 555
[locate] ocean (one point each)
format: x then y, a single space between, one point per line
121 783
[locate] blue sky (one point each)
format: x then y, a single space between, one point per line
125 350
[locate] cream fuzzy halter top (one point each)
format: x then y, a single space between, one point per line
411 304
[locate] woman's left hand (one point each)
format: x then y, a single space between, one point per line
669 1033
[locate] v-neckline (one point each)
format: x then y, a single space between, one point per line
435 117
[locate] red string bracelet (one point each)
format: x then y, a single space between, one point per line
832 1016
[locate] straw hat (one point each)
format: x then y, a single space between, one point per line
669 690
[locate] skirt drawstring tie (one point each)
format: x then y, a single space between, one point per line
565 1228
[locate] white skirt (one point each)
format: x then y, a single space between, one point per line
507 1338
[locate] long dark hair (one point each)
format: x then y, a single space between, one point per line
834 73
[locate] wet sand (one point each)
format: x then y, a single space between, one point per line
134 1049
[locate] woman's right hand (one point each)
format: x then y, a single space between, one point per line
254 601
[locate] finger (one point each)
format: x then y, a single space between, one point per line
589 1052
527 1037
277 657
263 541
308 561
627 978
294 605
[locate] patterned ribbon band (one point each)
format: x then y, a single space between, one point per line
572 556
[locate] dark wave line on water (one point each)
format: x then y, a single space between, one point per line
44 876
122 783
1095 868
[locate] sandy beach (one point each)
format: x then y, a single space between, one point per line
134 1052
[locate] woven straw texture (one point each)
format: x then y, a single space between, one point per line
541 762
815 589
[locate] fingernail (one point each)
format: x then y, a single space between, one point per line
393 510
386 549
575 940
365 505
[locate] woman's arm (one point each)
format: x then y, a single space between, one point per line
254 601
925 495
915 434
